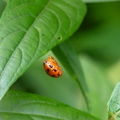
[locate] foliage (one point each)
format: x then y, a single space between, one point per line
29 29
114 103
28 106
32 37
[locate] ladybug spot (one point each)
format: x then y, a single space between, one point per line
53 75
50 66
58 74
55 70
47 70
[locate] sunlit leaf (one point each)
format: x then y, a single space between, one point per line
114 104
19 105
29 29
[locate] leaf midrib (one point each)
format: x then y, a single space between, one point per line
33 115
4 69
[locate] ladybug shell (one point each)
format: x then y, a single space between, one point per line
52 68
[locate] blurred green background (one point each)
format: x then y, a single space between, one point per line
97 43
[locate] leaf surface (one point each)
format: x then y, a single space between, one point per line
114 104
29 29
65 52
93 1
19 105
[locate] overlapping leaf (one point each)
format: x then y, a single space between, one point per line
19 105
67 55
29 29
114 104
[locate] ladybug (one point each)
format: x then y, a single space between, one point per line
52 68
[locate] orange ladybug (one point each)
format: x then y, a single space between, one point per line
52 68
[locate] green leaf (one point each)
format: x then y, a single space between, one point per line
65 52
29 29
99 86
93 1
6 0
114 104
2 6
19 105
